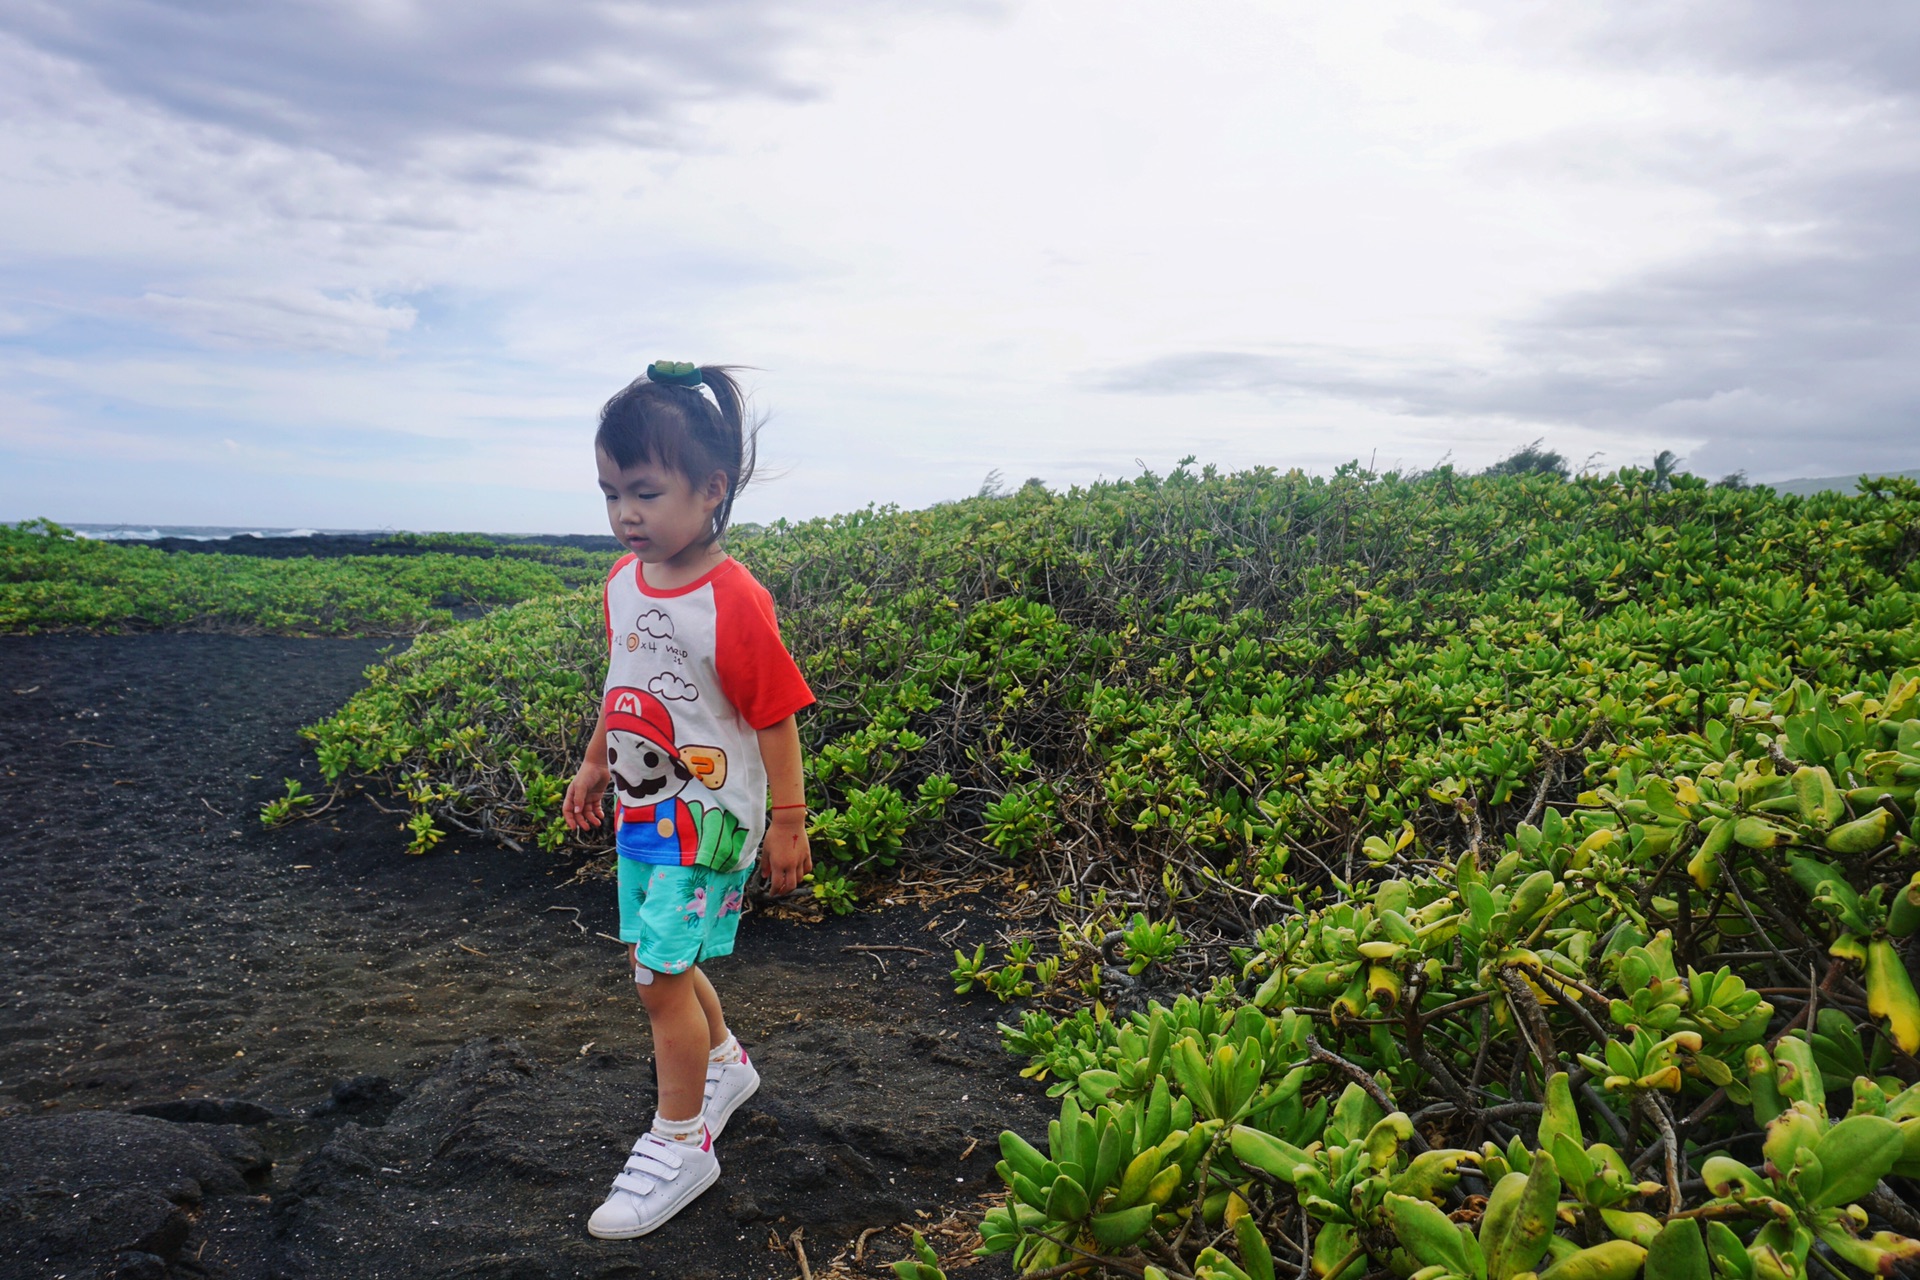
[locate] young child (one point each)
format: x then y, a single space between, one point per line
696 727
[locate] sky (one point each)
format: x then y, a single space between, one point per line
377 263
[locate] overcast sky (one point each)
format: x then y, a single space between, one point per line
367 263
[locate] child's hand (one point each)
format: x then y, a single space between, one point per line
585 795
787 860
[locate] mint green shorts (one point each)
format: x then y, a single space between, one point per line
679 916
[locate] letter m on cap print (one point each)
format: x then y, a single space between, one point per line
627 704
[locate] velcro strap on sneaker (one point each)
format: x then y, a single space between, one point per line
656 1161
654 1147
630 1181
662 1166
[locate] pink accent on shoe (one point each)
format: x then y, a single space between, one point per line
706 1138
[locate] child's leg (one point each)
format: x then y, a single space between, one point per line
731 1077
682 1038
710 1005
673 1162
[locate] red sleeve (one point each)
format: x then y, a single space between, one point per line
606 605
757 673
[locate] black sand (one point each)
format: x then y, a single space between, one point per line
428 1070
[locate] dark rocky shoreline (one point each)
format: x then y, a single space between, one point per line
352 1063
328 546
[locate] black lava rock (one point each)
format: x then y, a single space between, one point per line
743 1208
134 1265
206 1111
103 1192
368 1099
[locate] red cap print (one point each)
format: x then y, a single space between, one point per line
636 711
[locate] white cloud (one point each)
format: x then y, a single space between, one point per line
399 253
654 623
377 83
300 320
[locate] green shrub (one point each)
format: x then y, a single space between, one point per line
1548 840
1555 1020
1223 679
51 580
479 726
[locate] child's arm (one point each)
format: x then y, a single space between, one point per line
787 859
588 791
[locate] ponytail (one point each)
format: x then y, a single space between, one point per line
740 442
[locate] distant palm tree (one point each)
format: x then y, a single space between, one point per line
1666 465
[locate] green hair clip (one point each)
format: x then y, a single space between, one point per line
675 373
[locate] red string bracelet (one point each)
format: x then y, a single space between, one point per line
778 807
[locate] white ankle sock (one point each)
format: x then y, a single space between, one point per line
693 1130
728 1051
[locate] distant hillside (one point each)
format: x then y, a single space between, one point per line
1824 484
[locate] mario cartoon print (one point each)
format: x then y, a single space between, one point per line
650 771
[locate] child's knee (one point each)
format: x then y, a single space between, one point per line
659 990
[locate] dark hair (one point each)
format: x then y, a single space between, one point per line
677 427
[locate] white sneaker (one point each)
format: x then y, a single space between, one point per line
662 1177
728 1085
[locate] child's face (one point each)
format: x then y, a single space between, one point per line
654 510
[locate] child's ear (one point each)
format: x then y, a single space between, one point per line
716 487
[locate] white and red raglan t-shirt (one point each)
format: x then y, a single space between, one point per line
692 675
